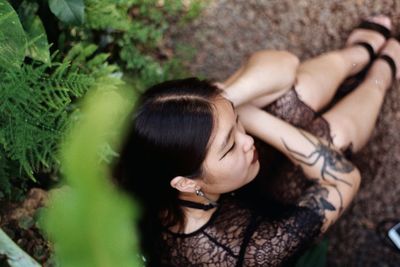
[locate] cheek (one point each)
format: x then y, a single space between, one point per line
238 165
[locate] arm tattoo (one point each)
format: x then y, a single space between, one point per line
332 160
315 198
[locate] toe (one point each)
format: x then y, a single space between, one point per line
382 20
375 39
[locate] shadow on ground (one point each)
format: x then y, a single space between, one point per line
229 30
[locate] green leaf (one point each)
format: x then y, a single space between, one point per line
89 221
37 45
68 11
315 256
12 37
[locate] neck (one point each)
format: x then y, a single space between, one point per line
195 218
203 200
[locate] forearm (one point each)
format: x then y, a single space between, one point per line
266 74
318 160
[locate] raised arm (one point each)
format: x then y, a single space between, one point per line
336 179
265 76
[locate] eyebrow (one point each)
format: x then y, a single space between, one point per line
227 138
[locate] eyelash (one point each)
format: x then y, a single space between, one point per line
231 149
234 144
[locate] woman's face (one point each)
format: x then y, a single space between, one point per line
231 161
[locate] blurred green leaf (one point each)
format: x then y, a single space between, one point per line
316 256
68 11
12 37
90 222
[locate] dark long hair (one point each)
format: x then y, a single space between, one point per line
169 135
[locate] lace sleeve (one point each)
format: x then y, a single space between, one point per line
274 243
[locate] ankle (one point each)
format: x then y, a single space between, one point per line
380 75
356 58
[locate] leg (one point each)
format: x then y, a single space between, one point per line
319 78
353 118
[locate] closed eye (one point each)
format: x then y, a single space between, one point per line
234 144
232 147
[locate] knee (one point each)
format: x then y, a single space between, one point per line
278 63
306 87
315 89
341 131
283 58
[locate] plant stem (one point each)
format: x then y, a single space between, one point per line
16 257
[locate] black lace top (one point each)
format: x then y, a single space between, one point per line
273 235
238 236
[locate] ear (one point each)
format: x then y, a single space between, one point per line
184 184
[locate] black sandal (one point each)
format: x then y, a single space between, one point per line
355 80
391 63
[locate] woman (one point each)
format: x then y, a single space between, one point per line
187 153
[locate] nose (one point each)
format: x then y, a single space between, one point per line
248 142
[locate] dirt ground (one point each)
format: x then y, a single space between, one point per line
229 30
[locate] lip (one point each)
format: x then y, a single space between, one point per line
255 156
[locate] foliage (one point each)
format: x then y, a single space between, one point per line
315 256
37 104
132 31
91 223
35 112
39 92
12 37
52 54
68 11
37 46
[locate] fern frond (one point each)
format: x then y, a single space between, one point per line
83 59
35 112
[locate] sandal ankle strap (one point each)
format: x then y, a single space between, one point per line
369 25
370 50
391 63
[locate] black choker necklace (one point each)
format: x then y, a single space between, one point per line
196 205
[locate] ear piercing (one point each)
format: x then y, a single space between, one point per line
201 194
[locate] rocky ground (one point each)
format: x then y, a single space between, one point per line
229 30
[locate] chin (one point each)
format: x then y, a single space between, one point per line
256 167
254 171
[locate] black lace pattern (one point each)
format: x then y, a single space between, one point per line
284 181
238 236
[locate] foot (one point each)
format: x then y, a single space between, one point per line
374 38
381 72
359 56
392 49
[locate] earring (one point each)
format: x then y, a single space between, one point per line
201 194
